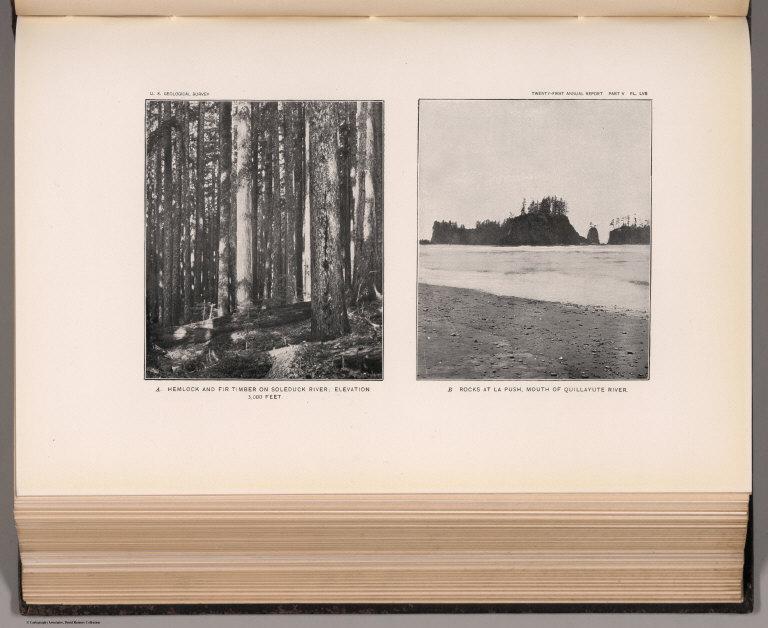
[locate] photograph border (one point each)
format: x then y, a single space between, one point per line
650 256
144 234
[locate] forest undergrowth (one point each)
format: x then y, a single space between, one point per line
272 343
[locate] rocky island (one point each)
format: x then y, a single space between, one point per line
540 223
630 234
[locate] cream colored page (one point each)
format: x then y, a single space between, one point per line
383 7
87 422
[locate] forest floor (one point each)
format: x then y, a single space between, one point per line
271 343
469 334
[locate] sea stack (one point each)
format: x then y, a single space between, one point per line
592 236
630 234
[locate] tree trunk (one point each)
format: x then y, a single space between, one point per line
152 238
377 168
167 218
263 185
361 249
212 246
289 251
199 203
364 272
176 268
306 234
278 215
257 200
213 243
299 177
329 312
205 231
346 152
186 236
225 207
244 205
269 113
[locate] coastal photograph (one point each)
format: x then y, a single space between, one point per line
263 239
534 221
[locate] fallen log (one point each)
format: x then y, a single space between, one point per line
365 359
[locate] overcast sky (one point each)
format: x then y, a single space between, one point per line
479 159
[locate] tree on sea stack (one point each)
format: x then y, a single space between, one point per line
592 236
329 312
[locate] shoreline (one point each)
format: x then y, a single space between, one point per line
471 334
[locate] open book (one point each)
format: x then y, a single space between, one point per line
449 305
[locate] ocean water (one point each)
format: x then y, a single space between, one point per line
617 277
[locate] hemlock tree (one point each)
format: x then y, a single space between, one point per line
244 207
186 236
278 220
166 212
329 312
257 162
289 169
376 165
364 273
346 160
306 239
225 207
270 193
299 179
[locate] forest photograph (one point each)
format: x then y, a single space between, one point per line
263 239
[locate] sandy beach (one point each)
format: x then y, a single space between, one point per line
469 334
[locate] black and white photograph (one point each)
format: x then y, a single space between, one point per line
263 239
534 253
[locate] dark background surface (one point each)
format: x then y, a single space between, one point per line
9 611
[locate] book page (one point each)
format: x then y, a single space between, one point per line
575 318
530 8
